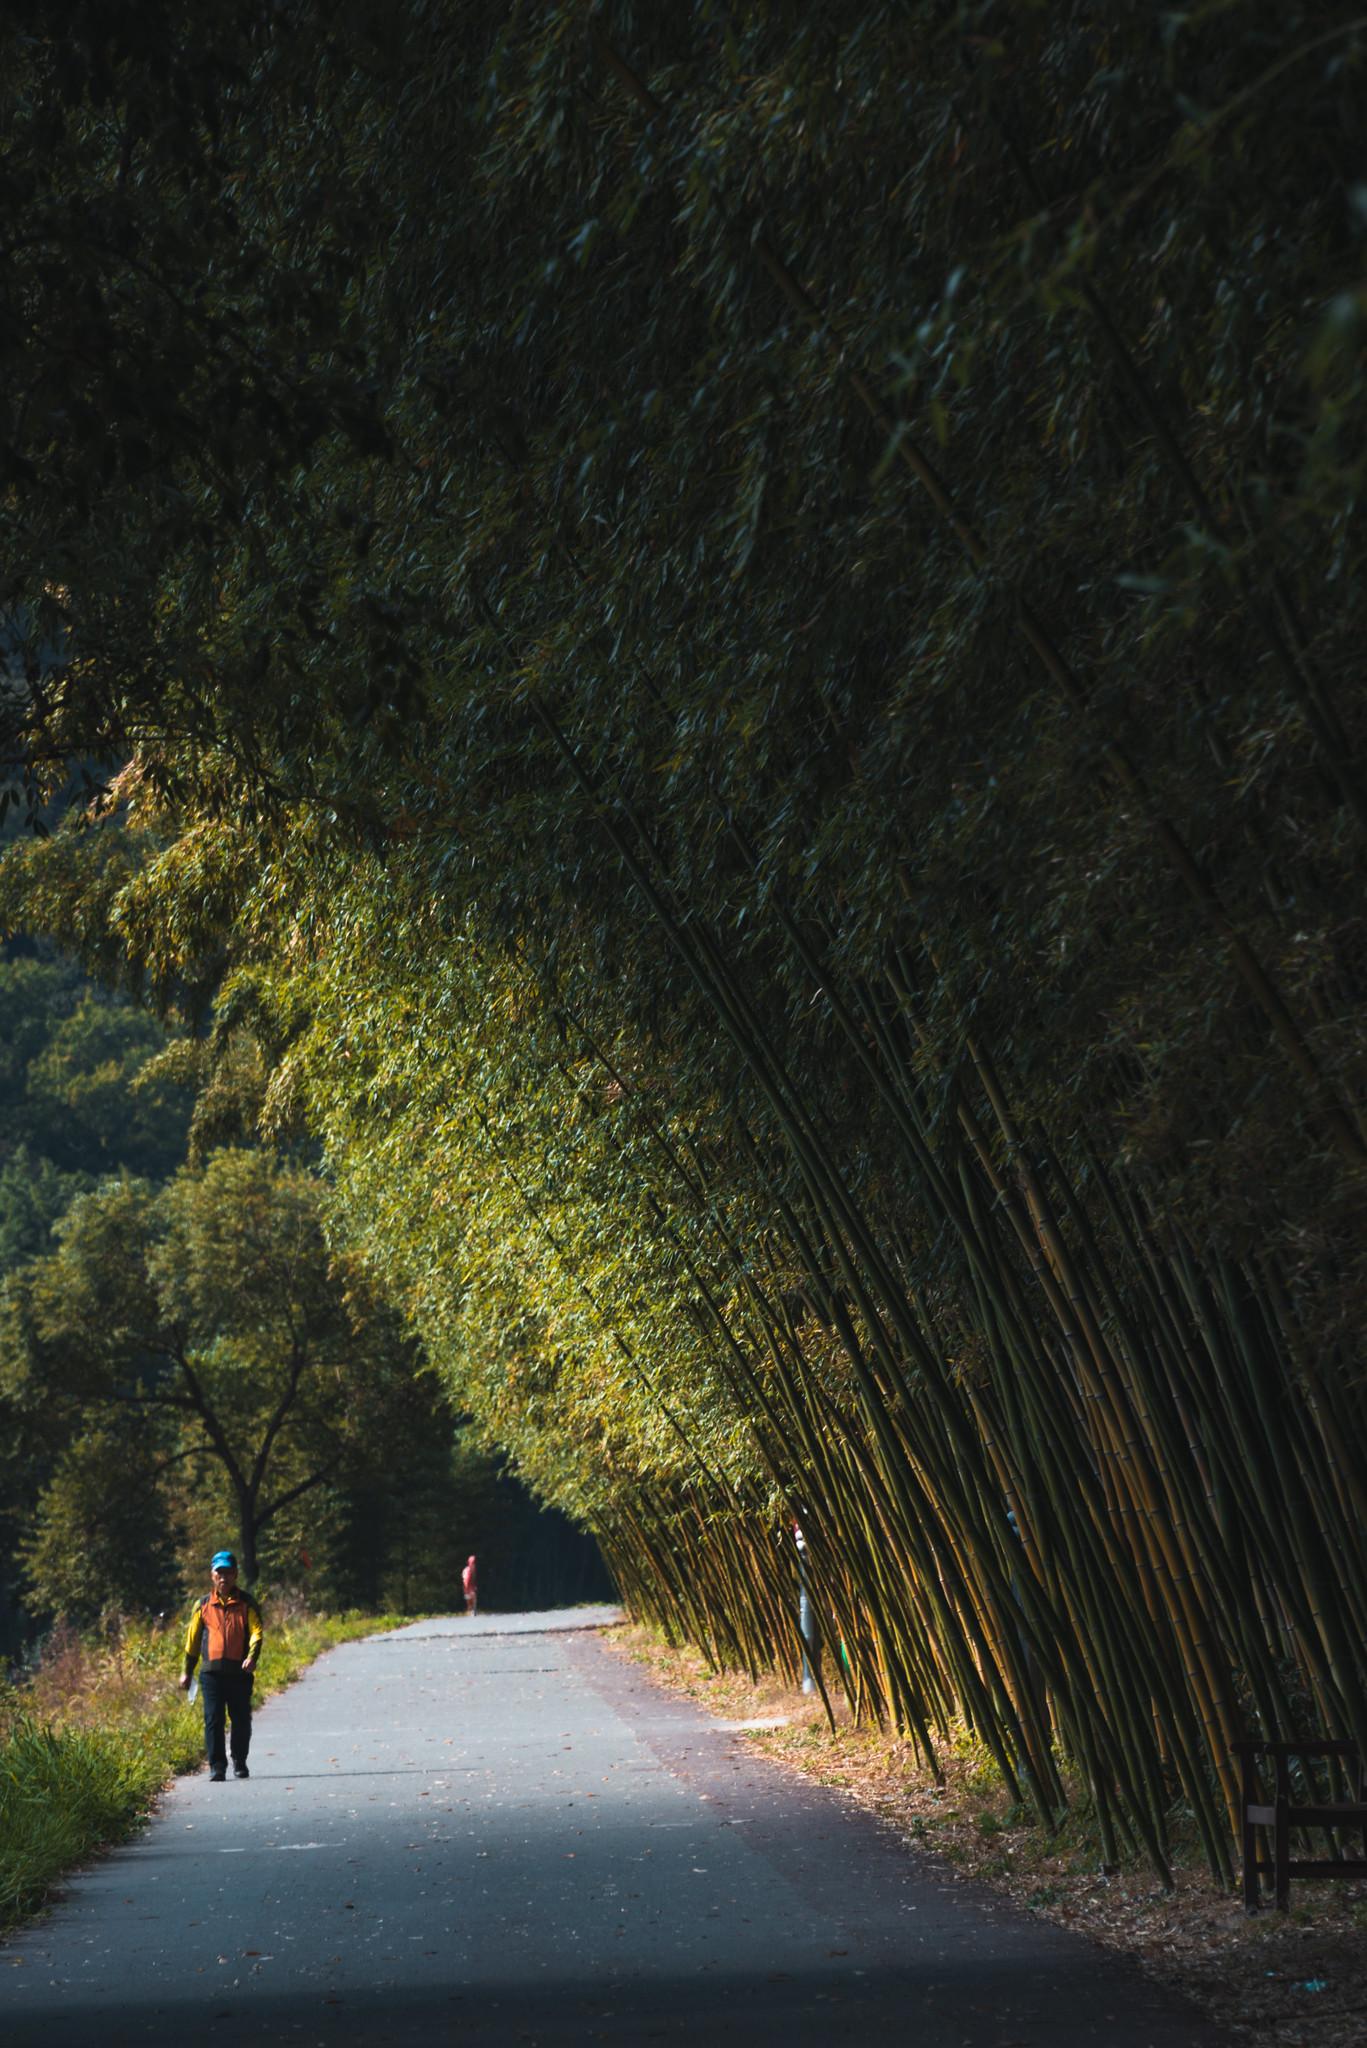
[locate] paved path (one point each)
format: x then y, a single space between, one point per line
498 1833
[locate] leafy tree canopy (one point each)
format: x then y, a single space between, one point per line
82 1095
215 1309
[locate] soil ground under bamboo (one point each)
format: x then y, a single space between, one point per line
1296 1980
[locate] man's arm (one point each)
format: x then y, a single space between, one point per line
194 1635
255 1637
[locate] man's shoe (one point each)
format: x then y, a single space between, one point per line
241 1771
217 1777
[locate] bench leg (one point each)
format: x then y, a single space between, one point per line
1281 1857
1252 1889
1248 1794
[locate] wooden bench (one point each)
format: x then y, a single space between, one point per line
1284 1814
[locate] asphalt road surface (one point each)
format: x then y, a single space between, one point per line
497 1833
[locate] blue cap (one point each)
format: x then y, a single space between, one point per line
223 1560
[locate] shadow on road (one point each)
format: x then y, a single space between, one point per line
794 2009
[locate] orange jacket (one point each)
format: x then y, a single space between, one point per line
224 1629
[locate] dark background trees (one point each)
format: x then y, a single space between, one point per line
73 1110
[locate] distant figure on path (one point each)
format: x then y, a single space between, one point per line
226 1630
467 1580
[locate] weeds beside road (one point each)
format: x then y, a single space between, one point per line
94 1733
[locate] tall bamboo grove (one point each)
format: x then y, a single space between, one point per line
761 712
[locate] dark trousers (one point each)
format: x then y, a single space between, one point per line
226 1691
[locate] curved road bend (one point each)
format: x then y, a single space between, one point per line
496 1833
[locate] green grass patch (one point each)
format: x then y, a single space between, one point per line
88 1741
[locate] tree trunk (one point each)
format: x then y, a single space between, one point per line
248 1526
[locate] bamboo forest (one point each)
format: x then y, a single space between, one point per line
720 649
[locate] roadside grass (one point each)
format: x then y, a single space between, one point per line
90 1737
1294 1980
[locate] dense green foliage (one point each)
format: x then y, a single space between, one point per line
741 637
80 1096
182 1360
83 1094
213 1309
82 1101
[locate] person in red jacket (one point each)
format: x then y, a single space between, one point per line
225 1630
469 1586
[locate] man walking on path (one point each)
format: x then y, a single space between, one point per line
226 1631
470 1587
